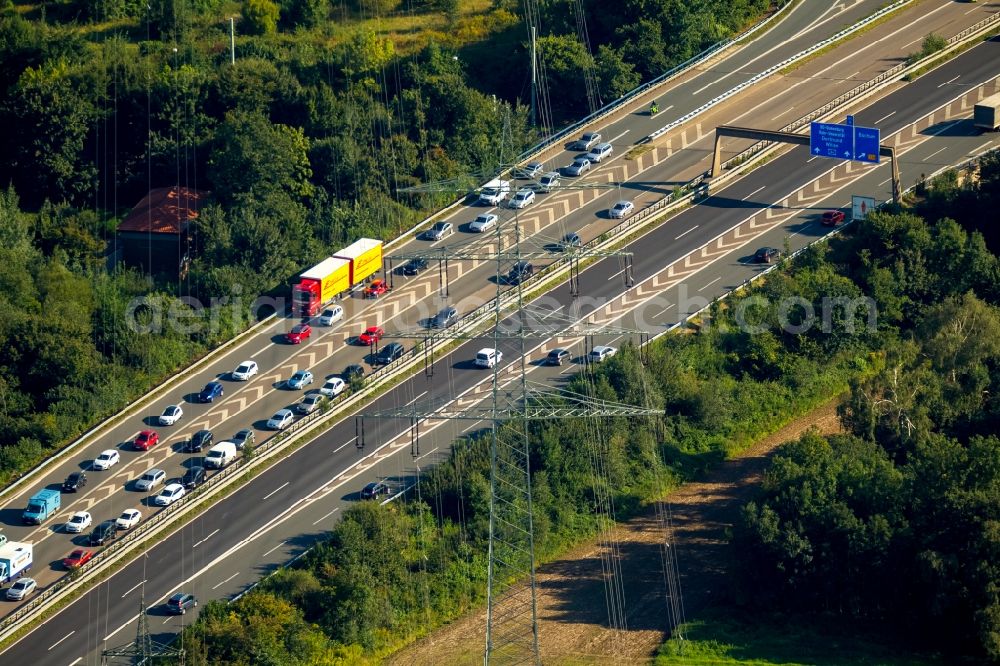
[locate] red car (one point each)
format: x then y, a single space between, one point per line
371 335
832 218
146 440
77 558
376 289
298 333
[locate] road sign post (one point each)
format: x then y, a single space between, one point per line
861 206
846 142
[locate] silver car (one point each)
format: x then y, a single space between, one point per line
587 141
580 166
150 479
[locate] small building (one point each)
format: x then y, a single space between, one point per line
156 236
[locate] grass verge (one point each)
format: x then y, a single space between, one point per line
729 637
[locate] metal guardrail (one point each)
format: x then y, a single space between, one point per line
891 73
774 68
472 319
614 106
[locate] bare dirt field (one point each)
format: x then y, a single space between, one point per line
574 623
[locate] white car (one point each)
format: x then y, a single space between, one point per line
334 314
333 387
280 420
523 197
244 371
483 223
129 519
21 589
150 479
621 209
78 522
107 459
171 415
601 353
169 495
599 152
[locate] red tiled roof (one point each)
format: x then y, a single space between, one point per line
165 210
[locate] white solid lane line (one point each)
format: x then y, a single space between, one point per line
934 153
127 622
227 580
317 522
275 490
133 588
426 454
710 283
205 539
883 118
687 232
62 639
415 399
275 548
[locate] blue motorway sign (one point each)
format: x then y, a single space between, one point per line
866 140
846 142
831 140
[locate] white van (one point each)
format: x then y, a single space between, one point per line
220 455
494 192
488 357
549 182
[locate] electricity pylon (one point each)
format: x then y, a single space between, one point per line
512 618
144 651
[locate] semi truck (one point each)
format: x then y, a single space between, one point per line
320 285
43 504
365 256
986 114
334 275
15 560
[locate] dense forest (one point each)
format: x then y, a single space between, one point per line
894 523
302 143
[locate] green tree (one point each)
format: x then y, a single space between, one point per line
254 156
261 16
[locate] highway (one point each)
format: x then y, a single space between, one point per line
414 300
220 552
336 450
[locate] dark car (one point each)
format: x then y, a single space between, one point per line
353 370
103 533
571 240
195 476
557 357
74 482
389 353
211 391
414 267
832 218
200 440
374 490
766 255
520 272
447 317
242 438
180 602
